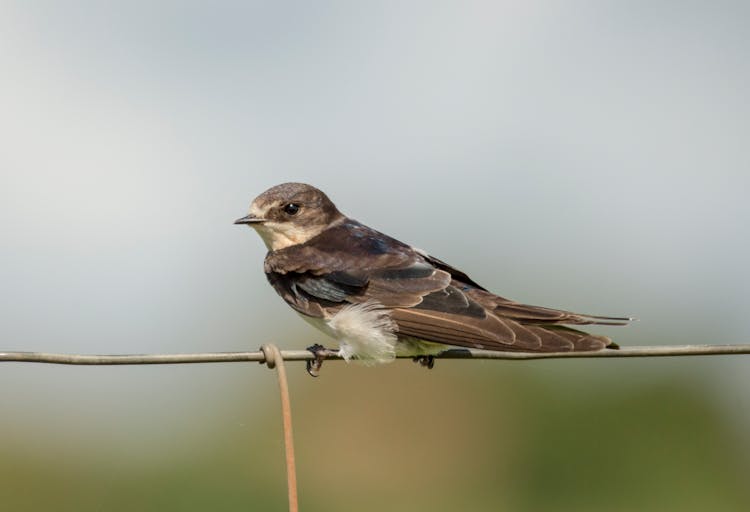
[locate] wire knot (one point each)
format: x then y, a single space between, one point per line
269 354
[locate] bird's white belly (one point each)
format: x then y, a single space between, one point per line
366 332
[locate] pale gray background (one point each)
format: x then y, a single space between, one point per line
586 155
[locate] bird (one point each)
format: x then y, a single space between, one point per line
381 298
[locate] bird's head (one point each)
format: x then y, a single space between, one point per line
290 214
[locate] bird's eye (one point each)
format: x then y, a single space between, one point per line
291 208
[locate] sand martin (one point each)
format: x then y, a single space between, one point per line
379 297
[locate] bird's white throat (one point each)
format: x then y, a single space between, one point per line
279 235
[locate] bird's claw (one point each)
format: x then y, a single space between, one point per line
426 361
320 353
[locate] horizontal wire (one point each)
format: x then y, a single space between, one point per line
306 355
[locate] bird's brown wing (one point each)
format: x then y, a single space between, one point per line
428 299
454 317
525 313
492 332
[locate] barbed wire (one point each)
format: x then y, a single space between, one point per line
306 355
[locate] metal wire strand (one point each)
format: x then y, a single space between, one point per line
274 359
305 355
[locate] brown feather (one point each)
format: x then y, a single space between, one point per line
349 263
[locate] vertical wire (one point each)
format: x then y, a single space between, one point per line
274 359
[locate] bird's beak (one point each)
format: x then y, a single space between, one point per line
249 219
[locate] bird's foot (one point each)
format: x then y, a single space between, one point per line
321 354
426 361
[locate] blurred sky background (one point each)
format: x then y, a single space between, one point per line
592 156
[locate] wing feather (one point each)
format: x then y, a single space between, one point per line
428 299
